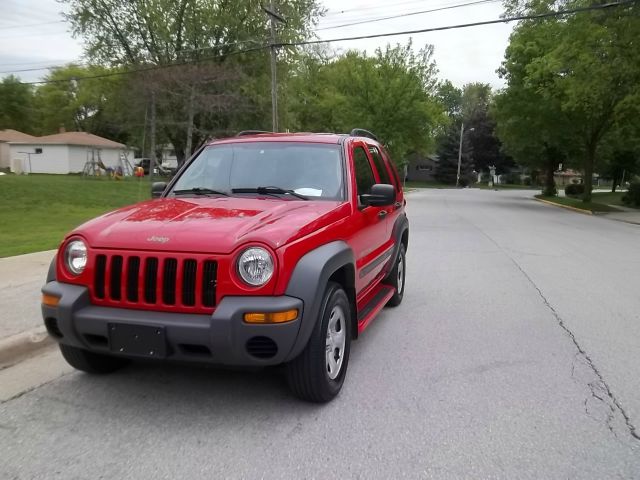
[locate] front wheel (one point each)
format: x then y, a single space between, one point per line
317 374
91 362
396 278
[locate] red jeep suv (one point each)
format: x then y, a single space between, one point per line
265 249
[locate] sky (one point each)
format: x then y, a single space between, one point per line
33 35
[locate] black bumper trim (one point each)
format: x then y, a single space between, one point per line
224 333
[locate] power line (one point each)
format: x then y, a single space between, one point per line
537 16
25 25
152 67
377 7
409 14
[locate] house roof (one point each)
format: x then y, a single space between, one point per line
77 138
10 135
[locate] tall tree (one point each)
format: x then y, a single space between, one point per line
391 93
82 105
140 33
16 105
573 78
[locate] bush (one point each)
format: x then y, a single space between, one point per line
574 189
527 181
632 198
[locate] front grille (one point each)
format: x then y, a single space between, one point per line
139 280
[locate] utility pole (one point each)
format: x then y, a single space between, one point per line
460 152
273 17
152 157
459 155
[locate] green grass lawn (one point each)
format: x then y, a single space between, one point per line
609 198
577 203
36 211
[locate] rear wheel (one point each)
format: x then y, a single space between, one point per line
317 374
396 278
91 362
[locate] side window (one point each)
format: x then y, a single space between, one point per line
364 174
380 166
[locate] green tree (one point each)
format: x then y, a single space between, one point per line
16 105
82 105
391 93
570 80
139 33
450 97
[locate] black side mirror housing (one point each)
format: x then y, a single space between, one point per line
381 195
157 189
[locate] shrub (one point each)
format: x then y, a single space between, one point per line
574 189
632 198
527 181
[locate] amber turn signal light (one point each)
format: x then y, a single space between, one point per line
50 300
271 317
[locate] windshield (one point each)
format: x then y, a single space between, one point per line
312 170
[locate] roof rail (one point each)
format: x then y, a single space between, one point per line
361 132
251 132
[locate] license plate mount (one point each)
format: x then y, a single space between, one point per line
139 340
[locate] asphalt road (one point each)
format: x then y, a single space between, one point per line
515 354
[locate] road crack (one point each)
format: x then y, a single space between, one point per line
600 389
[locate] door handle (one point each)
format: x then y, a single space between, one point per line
382 213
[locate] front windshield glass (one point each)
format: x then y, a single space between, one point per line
312 170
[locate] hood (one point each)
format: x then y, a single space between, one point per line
207 224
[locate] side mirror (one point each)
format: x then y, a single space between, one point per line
381 195
157 189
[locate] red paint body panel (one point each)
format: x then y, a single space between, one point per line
218 229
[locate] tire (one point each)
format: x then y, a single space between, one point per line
91 362
312 376
396 278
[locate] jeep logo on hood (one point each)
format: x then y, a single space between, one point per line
156 239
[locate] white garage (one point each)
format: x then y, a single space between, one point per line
63 153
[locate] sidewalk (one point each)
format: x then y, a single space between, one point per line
628 216
21 327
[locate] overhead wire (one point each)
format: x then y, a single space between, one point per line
537 16
409 14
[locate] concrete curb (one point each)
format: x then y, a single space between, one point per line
586 212
18 347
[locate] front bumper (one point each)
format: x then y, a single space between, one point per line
221 338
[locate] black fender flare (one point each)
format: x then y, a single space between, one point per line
309 281
400 228
51 274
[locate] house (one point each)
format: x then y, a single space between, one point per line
7 136
64 152
421 168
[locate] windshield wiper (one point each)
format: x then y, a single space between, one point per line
269 191
199 191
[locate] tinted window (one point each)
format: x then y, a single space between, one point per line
364 174
380 166
313 170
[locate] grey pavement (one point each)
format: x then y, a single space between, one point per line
20 280
515 354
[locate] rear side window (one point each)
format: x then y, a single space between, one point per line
364 174
380 166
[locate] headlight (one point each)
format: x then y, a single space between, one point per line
255 266
75 257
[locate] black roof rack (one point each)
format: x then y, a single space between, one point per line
361 132
251 132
